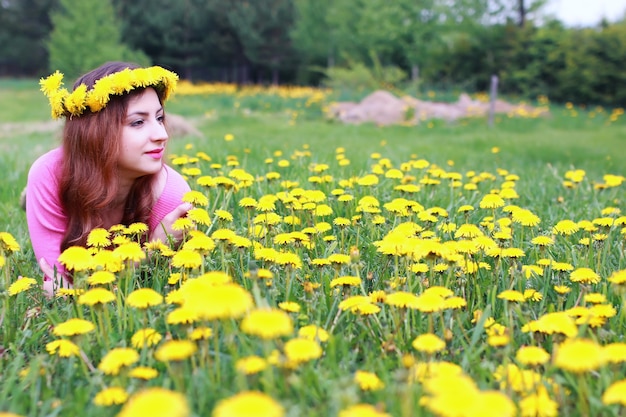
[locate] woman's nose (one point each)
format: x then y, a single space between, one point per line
159 132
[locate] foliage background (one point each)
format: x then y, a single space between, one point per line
429 44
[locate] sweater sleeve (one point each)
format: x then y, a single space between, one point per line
171 197
44 214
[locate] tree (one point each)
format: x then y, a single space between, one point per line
193 37
263 27
23 26
312 35
518 11
86 34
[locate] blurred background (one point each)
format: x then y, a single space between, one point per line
567 50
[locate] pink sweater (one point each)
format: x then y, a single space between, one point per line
47 220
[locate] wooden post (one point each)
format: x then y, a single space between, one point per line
492 98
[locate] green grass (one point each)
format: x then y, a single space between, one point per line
539 151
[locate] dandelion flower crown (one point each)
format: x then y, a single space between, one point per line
64 103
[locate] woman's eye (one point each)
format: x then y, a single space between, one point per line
136 123
161 119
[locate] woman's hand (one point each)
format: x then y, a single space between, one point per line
164 230
51 282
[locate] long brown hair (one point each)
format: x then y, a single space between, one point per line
89 174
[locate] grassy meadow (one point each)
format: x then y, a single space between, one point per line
441 269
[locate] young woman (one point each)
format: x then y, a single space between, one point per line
109 169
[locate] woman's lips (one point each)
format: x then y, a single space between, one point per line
156 154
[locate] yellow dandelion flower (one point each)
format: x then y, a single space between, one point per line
615 352
615 393
69 292
532 355
313 332
468 231
584 276
562 289
76 258
101 278
428 343
492 404
186 258
143 372
111 396
565 227
175 350
201 333
224 215
618 277
137 228
498 339
561 266
525 217
532 294
603 310
183 224
215 278
251 365
538 404
365 309
532 270
108 261
96 296
130 251
368 381
289 306
211 302
342 222
116 359
454 303
199 216
73 327
21 285
429 303
451 394
542 241
248 202
550 323
248 403
402 299
156 402
195 198
368 180
267 323
200 243
288 259
579 355
99 238
145 337
144 298
302 350
346 281
512 295
491 201
362 410
51 83
338 259
62 347
594 298
438 291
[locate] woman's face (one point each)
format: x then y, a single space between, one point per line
143 136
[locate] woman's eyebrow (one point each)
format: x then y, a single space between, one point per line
143 113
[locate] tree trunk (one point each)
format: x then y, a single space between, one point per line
415 73
522 12
274 76
245 74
